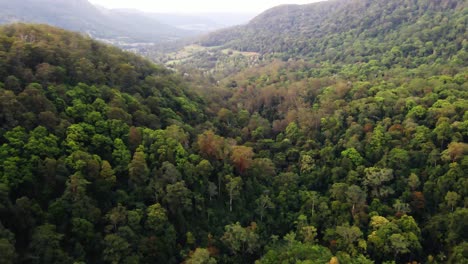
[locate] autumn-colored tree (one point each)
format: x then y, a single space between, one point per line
134 138
242 157
211 145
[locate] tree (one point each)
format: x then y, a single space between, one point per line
452 198
443 130
45 245
156 217
377 143
13 83
353 155
7 245
233 187
263 203
338 191
309 234
399 244
200 256
160 240
107 174
8 251
134 138
400 207
390 239
212 190
455 151
138 169
117 216
356 197
212 145
375 179
398 158
310 200
459 253
76 187
41 143
241 240
413 181
456 225
178 197
242 156
307 164
306 232
262 169
349 236
120 156
116 249
297 252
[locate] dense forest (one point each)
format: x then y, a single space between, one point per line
360 157
334 30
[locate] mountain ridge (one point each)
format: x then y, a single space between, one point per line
81 15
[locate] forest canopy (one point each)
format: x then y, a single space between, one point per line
108 158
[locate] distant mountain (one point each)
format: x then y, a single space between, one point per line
335 29
204 21
198 22
81 15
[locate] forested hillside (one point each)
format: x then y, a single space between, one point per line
74 115
330 33
353 30
107 158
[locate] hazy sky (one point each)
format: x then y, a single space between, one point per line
194 6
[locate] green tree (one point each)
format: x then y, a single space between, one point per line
353 155
375 178
399 244
357 197
452 198
117 216
7 246
349 236
200 256
120 156
297 252
233 187
263 204
241 240
116 249
178 197
45 245
138 169
391 239
8 251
